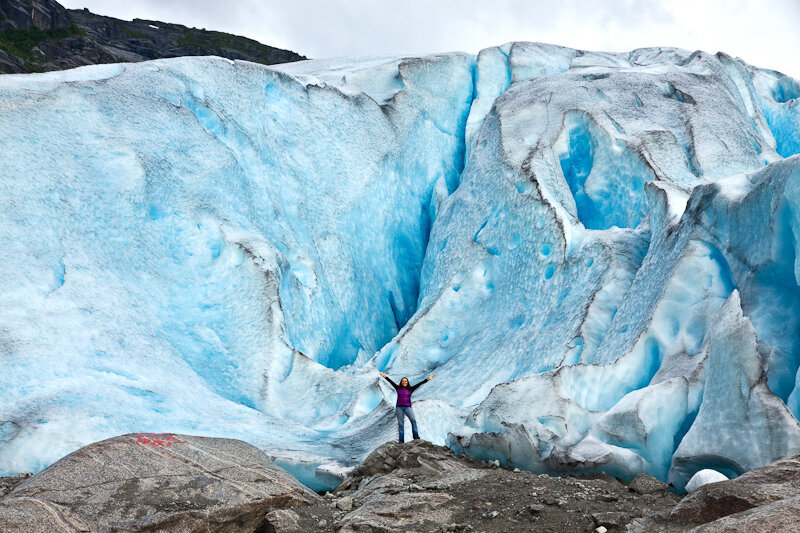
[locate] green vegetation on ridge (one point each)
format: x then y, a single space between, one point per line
21 43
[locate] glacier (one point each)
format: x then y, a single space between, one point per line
596 253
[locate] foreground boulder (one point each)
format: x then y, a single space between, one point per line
644 484
404 486
154 482
766 495
782 515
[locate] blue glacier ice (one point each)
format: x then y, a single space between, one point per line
597 254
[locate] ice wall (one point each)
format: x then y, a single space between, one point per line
196 243
567 239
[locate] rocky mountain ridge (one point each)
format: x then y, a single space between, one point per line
41 35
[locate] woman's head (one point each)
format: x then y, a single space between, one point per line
404 382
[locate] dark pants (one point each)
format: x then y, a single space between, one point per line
407 411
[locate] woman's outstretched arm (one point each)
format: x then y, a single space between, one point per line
395 385
421 382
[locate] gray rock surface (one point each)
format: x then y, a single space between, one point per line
27 14
161 482
783 515
283 521
404 486
345 504
776 482
611 519
399 512
644 484
437 465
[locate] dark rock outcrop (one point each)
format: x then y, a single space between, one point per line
162 482
41 36
30 14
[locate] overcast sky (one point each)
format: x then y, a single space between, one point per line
765 33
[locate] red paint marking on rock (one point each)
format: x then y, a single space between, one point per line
157 439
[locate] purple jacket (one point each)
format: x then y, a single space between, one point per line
404 393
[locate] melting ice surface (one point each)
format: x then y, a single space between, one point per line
596 254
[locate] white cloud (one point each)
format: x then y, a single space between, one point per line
764 33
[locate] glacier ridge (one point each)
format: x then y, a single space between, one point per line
595 253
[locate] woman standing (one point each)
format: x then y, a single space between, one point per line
403 407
